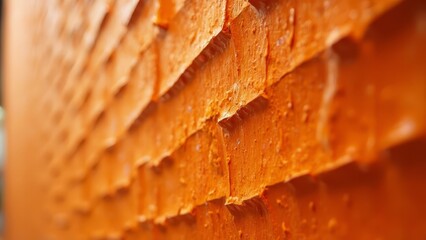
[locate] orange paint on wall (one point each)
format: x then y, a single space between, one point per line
225 119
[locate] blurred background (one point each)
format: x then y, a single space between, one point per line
201 119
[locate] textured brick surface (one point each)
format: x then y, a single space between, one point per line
171 119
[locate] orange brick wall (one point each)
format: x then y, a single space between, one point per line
220 119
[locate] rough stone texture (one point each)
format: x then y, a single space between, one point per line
224 119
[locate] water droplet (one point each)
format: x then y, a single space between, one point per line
312 206
326 4
291 16
189 109
332 224
305 115
306 108
280 41
285 229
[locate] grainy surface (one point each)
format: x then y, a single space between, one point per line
224 119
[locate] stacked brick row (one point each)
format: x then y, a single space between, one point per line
172 119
